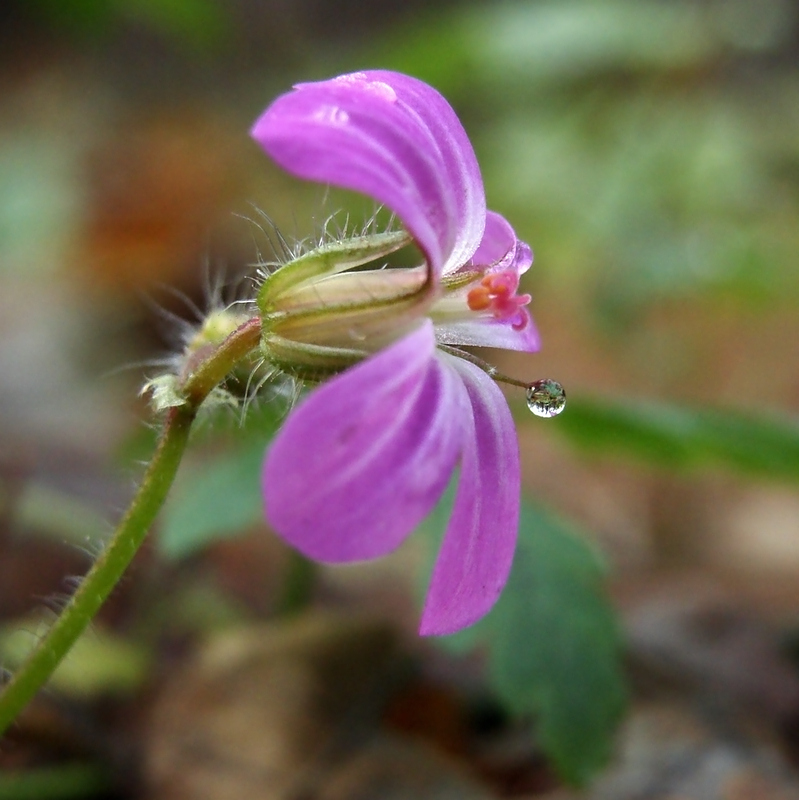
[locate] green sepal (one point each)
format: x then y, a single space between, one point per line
328 259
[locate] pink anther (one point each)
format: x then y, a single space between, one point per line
497 293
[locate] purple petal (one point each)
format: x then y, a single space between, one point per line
491 333
500 249
393 138
367 455
476 556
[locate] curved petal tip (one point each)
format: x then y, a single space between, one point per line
393 138
476 556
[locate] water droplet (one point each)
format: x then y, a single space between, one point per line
546 398
331 115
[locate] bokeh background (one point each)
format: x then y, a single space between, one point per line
649 152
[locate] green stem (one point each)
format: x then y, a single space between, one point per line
132 529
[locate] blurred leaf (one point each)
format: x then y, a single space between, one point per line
554 646
193 605
63 782
100 662
572 38
201 24
38 206
657 195
82 17
765 446
618 163
523 44
221 497
519 46
59 515
218 499
259 422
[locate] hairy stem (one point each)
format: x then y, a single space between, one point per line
132 529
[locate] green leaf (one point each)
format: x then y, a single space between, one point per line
217 500
681 438
554 647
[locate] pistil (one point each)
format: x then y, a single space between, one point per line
496 293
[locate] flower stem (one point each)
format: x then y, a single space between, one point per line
132 529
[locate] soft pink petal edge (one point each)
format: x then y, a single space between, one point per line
500 249
477 552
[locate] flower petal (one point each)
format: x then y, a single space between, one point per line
367 455
476 556
500 249
486 332
391 137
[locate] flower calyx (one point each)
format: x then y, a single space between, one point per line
326 309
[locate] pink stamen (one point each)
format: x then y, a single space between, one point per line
497 293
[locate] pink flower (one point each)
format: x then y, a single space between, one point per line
368 454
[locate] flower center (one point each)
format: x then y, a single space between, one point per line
496 293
